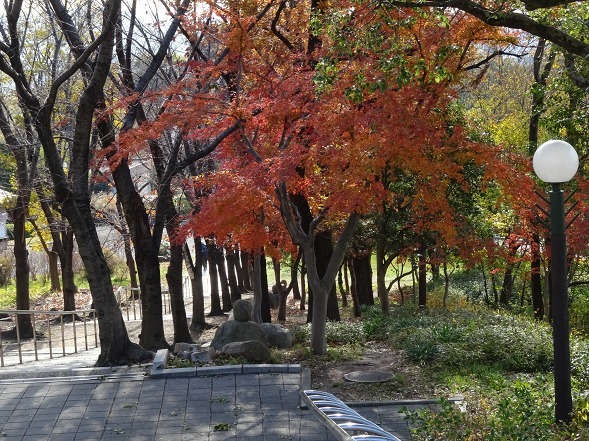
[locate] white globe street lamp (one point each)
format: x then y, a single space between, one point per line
556 162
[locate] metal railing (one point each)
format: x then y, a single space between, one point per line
343 422
129 300
43 330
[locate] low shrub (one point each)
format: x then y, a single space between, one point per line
337 333
522 412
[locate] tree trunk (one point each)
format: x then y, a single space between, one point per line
381 286
198 322
215 298
354 289
507 286
231 275
219 260
53 260
422 276
303 286
294 277
446 284
256 278
363 272
127 244
281 291
174 278
265 305
67 271
21 261
536 280
245 270
340 284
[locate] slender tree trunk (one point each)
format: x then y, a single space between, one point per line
294 277
53 259
422 277
127 245
507 286
67 271
245 270
303 286
446 284
219 260
216 309
198 322
354 289
340 283
238 272
265 306
536 280
231 274
363 272
256 278
174 279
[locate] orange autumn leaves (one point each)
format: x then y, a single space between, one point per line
327 137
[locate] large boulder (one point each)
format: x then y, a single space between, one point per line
232 331
252 350
278 336
242 310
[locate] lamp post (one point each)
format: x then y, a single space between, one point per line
556 162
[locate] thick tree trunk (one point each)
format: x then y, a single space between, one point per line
174 278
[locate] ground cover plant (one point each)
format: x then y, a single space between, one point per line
500 362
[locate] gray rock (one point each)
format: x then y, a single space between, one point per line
185 347
253 350
203 356
232 331
278 336
242 310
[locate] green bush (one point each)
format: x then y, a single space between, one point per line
522 412
337 333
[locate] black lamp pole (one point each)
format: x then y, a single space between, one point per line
560 307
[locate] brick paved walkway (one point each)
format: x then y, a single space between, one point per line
256 407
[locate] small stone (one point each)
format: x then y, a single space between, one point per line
203 356
185 347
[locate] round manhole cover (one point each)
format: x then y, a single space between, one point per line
368 376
